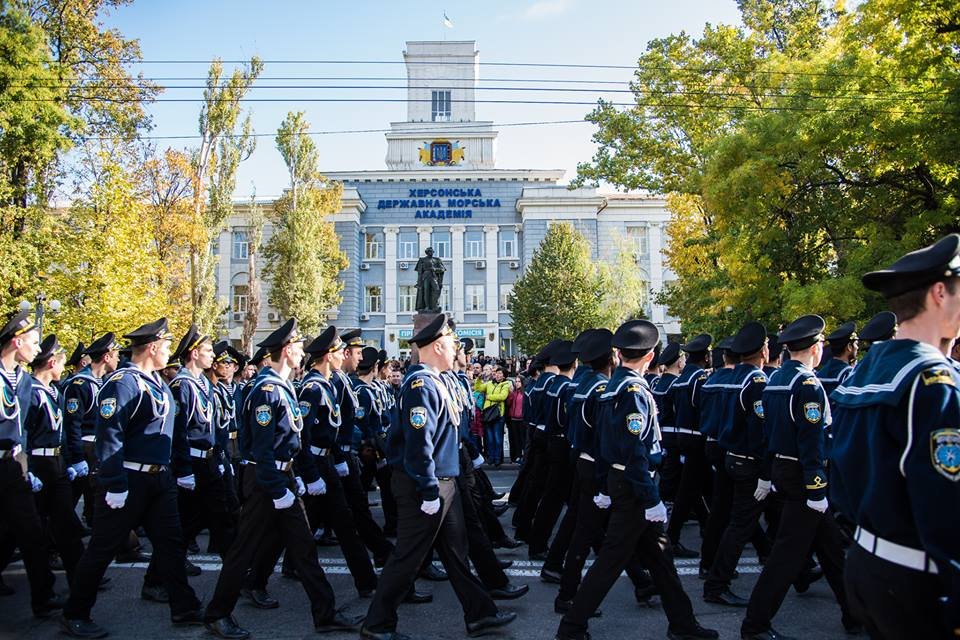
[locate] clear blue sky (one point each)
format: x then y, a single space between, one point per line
544 31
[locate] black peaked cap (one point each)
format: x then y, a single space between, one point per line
802 332
106 342
435 329
18 323
636 334
150 332
699 344
563 355
918 269
749 339
598 343
882 326
281 337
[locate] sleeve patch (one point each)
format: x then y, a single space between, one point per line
361 412
634 388
264 415
418 417
758 408
945 453
78 381
108 407
810 381
267 388
601 388
117 376
416 384
812 411
937 376
818 483
73 405
635 423
304 409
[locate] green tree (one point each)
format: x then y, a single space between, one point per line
561 292
251 319
626 293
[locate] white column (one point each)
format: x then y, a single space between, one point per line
390 274
656 268
493 269
424 239
456 253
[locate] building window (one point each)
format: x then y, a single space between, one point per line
440 241
440 106
407 245
473 244
240 297
475 295
637 237
508 243
407 298
373 299
373 246
506 346
505 291
241 246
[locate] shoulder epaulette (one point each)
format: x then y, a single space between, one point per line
78 381
416 384
810 381
937 376
116 376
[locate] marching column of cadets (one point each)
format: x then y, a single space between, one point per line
827 466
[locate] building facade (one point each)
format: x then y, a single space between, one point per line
441 188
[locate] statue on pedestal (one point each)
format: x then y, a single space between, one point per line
430 272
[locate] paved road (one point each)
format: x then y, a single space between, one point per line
813 615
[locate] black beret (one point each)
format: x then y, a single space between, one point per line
49 347
283 336
466 345
352 338
150 332
562 355
918 269
699 344
749 339
368 358
18 323
106 342
435 329
802 332
77 354
327 341
882 326
636 334
597 344
842 335
669 355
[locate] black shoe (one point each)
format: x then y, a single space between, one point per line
694 632
499 496
82 628
550 576
769 634
509 592
193 547
192 570
538 555
645 595
339 622
154 593
367 634
418 597
852 626
290 573
187 618
125 557
55 562
507 543
680 551
562 606
327 540
227 628
260 598
727 598
807 578
434 573
505 564
365 593
497 620
51 606
500 509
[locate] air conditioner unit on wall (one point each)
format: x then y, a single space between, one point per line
238 317
515 264
273 316
364 266
404 265
481 264
364 317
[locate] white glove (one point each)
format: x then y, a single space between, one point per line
301 489
116 500
187 482
221 469
381 463
71 474
285 502
342 469
82 469
477 461
35 484
430 507
657 513
317 488
602 501
818 505
763 490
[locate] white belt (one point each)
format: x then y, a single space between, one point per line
88 438
201 453
737 455
317 451
10 453
586 456
783 457
55 451
668 429
711 439
692 432
282 465
346 448
896 553
140 466
619 467
541 427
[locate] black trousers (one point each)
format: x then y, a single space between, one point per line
588 533
670 467
568 524
479 549
416 534
151 502
55 503
556 493
720 504
628 533
20 513
206 506
894 602
85 487
800 528
533 486
692 480
264 527
370 532
517 489
387 501
482 490
517 433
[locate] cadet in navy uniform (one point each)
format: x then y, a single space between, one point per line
743 438
882 326
44 427
673 360
134 443
272 511
690 442
797 414
629 441
225 362
19 343
425 447
843 349
896 455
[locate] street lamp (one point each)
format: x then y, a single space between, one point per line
41 298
